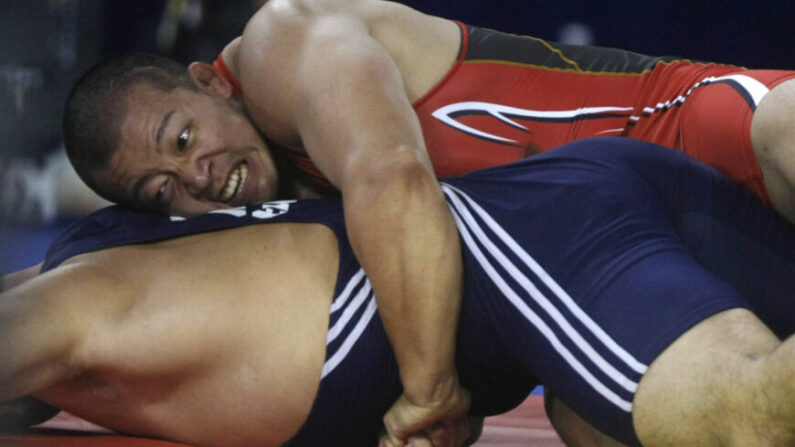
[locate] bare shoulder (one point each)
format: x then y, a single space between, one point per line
50 319
74 284
276 8
277 16
287 36
69 299
280 28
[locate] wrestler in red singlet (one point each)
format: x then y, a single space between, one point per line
510 96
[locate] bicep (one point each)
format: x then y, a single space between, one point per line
354 105
337 89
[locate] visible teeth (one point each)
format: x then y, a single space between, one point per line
243 176
237 179
231 185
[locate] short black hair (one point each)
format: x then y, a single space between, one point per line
97 106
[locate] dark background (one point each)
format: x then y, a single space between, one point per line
46 44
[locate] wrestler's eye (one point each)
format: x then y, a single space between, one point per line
182 139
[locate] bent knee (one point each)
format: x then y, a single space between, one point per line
698 391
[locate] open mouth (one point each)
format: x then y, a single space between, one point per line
235 182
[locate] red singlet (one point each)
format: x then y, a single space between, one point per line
508 97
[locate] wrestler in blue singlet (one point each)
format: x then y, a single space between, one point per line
581 264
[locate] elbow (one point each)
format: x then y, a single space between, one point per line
399 175
407 174
393 198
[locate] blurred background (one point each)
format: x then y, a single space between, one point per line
46 44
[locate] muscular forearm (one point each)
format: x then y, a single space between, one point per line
405 238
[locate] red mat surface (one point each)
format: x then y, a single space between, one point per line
527 425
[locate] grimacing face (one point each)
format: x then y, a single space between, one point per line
187 152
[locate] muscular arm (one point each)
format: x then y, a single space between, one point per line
398 221
25 411
42 323
354 119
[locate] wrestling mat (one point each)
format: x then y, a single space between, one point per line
526 425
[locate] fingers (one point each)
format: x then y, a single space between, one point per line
411 441
440 424
385 441
461 432
420 441
402 420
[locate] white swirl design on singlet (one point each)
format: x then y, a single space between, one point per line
505 114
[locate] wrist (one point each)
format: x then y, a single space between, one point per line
430 388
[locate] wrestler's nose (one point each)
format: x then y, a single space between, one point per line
198 177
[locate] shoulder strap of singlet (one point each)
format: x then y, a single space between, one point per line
220 65
462 53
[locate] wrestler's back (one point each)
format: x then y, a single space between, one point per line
239 343
423 47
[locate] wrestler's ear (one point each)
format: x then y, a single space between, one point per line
207 78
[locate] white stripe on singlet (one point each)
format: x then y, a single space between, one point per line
473 233
349 307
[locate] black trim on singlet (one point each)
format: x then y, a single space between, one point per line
740 90
489 45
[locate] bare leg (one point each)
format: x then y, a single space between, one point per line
726 382
573 429
773 137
